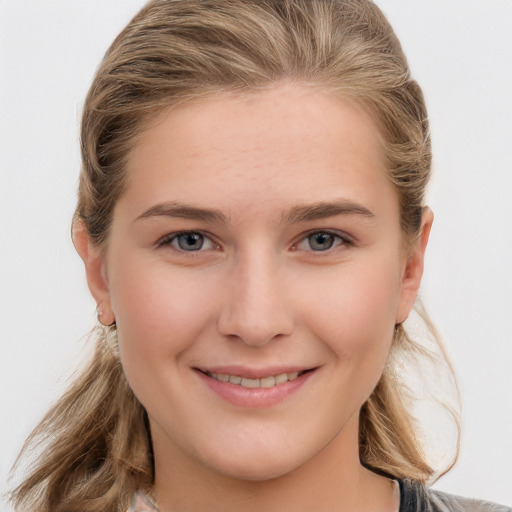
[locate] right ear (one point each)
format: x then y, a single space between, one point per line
95 269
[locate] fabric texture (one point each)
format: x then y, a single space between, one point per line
414 497
140 502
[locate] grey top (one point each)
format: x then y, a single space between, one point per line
415 497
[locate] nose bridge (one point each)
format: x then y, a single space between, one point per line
256 308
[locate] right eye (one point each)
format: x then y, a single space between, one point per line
188 241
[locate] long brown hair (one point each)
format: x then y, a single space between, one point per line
97 448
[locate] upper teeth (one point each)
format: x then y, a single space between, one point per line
264 382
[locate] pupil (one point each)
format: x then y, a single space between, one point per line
321 241
190 241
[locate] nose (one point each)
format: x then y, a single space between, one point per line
256 309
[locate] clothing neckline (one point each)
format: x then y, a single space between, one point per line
146 501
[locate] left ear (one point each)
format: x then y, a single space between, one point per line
413 271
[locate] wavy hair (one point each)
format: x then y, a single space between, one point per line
97 447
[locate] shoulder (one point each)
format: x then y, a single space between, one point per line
415 497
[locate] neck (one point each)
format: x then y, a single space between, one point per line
333 479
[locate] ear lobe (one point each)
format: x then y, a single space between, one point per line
94 262
413 272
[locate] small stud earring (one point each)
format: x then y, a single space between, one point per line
99 314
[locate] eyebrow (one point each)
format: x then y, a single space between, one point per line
184 211
320 210
325 209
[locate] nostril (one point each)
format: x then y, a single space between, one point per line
254 328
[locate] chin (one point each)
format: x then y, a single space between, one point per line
257 468
256 473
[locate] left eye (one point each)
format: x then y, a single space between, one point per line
190 241
320 241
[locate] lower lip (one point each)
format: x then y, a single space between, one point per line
255 398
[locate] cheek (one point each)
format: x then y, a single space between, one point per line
159 313
357 313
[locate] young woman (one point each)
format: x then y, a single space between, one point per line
252 222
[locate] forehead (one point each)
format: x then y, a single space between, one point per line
291 139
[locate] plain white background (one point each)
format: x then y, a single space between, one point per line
459 51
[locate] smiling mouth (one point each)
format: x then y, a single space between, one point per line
264 382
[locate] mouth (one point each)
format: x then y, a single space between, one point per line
255 389
254 383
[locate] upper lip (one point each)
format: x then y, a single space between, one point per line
254 373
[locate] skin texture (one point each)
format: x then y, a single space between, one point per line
279 282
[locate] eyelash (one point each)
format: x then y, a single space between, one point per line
338 239
168 240
342 240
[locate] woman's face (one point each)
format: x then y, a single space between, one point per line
256 270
